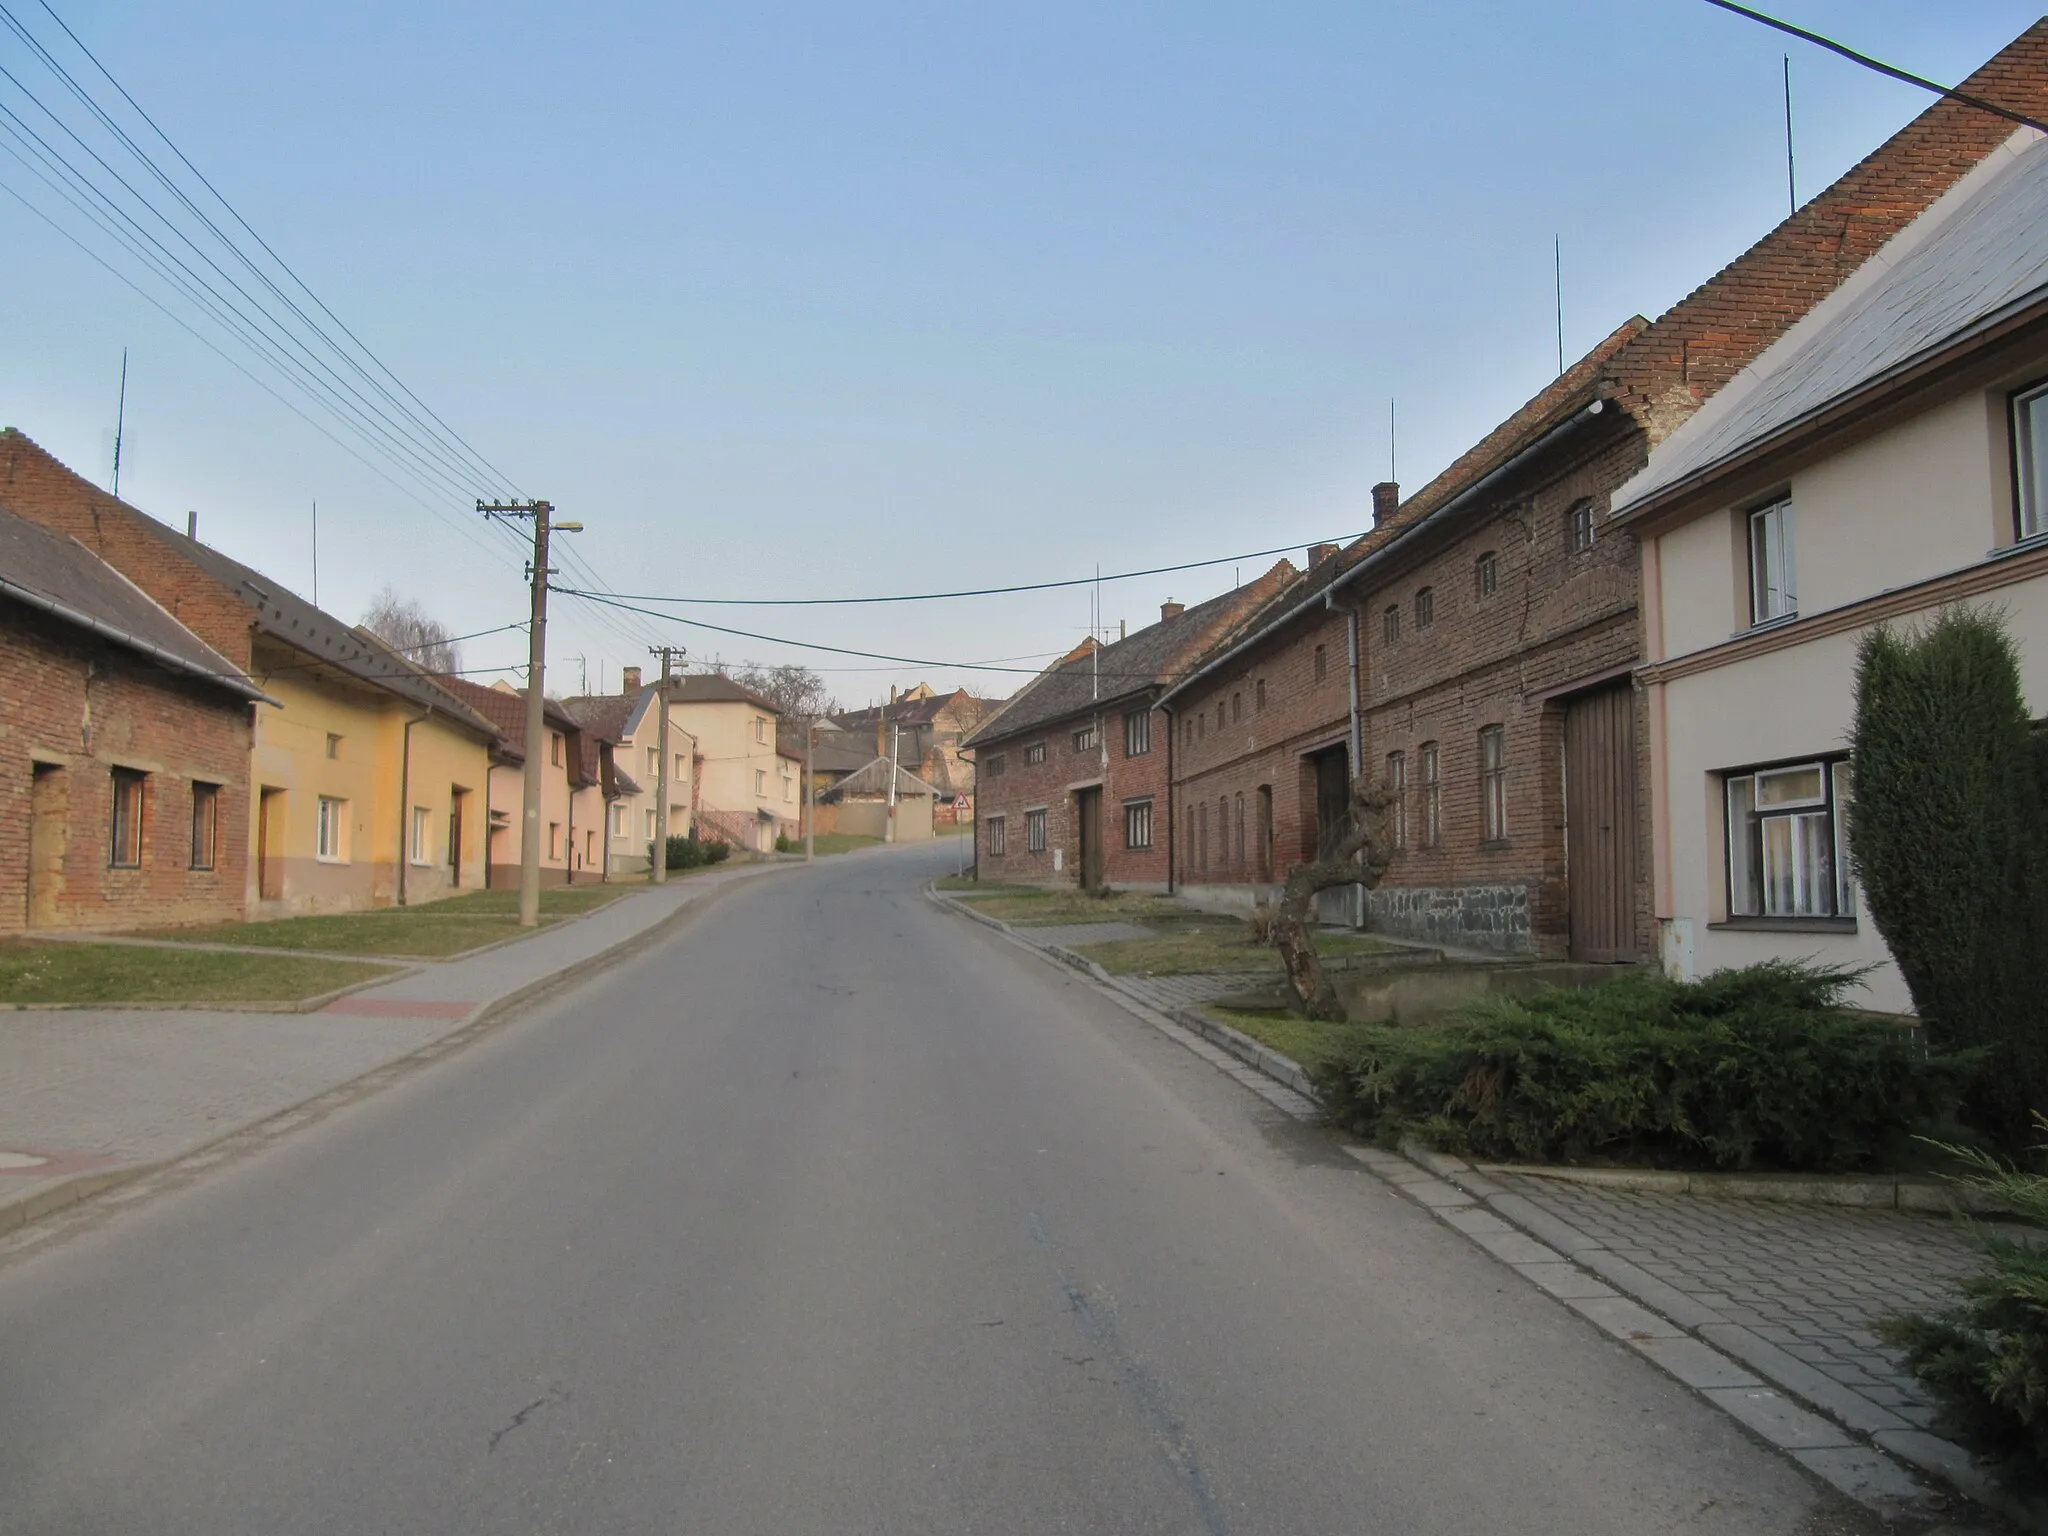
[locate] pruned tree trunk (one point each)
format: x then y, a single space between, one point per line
1358 857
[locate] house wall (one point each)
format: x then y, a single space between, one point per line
1922 502
731 750
1054 785
580 810
863 817
81 708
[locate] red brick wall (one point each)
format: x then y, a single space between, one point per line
1022 786
90 707
36 486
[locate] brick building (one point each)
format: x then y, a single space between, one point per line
1072 775
124 749
1476 648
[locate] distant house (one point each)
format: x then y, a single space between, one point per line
1073 773
1902 430
631 720
860 804
366 779
924 730
746 789
124 749
572 799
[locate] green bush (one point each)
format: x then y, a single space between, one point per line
1985 1359
784 843
1949 837
691 853
1754 1067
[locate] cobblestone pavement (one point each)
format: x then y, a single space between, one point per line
1809 1279
1170 992
1069 935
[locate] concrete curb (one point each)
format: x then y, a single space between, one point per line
1851 1443
479 1021
1902 1193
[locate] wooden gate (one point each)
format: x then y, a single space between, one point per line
1090 820
1600 824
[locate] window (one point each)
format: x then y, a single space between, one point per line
554 839
1322 662
618 821
1137 733
1493 782
994 834
1390 623
1397 813
1202 833
421 850
555 748
1773 587
761 729
760 781
1486 575
1138 824
1034 831
650 826
330 833
205 824
1236 708
1201 725
1425 608
1259 696
653 764
995 765
788 788
1084 738
1035 753
1788 841
124 849
1239 809
2030 459
1578 523
1432 797
333 745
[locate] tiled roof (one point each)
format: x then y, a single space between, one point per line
608 715
716 688
873 779
1980 250
505 712
1157 654
60 576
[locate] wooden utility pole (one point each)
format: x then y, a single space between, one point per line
538 572
810 791
658 855
889 832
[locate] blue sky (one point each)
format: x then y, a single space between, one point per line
811 300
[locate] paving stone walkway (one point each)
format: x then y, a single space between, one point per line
1810 1279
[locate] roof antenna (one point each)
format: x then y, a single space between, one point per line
316 551
1791 182
1390 440
120 421
1557 268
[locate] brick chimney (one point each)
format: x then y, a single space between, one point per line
1171 610
1385 497
631 675
1318 553
892 693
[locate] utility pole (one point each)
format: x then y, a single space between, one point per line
895 736
658 855
538 572
810 791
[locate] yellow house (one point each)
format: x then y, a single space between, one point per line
577 782
747 792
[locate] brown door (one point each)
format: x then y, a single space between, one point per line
48 832
1264 832
1600 823
1333 797
270 845
1090 822
457 799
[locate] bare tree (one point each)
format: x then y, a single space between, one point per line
798 694
1358 856
405 626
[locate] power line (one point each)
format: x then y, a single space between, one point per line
1883 68
933 597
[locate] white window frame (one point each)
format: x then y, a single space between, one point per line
1137 733
761 783
1034 830
1034 754
1493 783
1138 824
1773 563
653 824
1580 526
330 830
2030 461
1397 783
420 837
1432 794
996 835
1085 739
1788 861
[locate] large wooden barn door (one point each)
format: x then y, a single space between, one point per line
1600 823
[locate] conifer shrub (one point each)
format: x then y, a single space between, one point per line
1754 1068
691 852
1949 838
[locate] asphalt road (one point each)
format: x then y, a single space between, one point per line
832 1214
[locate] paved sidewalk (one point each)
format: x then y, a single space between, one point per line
89 1096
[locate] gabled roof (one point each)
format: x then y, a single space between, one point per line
919 707
873 779
717 688
1155 656
832 751
610 715
1979 253
57 575
504 710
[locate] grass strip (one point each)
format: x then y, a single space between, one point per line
1307 1041
34 972
420 934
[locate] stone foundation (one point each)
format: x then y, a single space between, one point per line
1494 917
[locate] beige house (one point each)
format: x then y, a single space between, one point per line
572 798
1886 458
746 791
630 720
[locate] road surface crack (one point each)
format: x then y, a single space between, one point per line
556 1393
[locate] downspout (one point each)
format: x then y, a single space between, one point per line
405 798
569 783
1172 810
1355 736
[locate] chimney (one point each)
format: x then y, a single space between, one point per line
631 677
892 693
1318 553
1385 497
1171 610
192 526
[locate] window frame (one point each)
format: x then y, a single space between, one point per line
995 765
760 783
996 836
1486 575
419 842
330 829
1493 784
2030 478
554 749
1034 754
205 825
1322 662
1581 527
1087 739
1259 697
1236 706
1138 825
1749 890
1137 732
1425 607
1034 830
1780 510
1390 624
128 825
1432 765
1397 783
